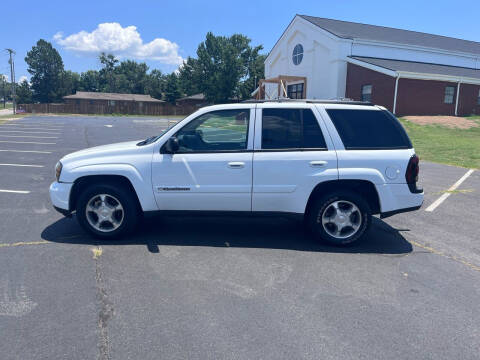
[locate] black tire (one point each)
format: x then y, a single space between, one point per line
322 204
131 211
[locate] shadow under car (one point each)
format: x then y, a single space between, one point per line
242 232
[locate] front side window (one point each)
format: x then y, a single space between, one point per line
449 94
297 54
223 130
478 98
295 91
369 129
291 129
367 93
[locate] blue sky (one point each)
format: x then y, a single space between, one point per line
163 32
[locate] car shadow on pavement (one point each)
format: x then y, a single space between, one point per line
250 232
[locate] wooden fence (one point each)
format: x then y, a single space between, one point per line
155 109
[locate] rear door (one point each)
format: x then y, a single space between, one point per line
293 153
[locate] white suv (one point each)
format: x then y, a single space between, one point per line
333 163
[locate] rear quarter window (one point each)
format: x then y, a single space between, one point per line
369 129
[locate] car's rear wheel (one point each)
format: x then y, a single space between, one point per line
107 211
339 218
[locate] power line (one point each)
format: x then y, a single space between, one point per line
12 78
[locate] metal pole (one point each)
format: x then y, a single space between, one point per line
395 95
458 95
12 80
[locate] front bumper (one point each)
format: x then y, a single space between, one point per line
60 196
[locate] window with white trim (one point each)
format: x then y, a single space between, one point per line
449 94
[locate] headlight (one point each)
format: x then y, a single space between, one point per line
58 170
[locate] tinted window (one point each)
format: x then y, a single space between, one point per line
295 91
224 130
367 93
369 129
291 129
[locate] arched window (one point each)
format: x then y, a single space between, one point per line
297 55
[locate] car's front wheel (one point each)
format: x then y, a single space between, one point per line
107 211
340 218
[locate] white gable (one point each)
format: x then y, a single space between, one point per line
325 57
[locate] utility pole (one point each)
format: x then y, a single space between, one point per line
12 79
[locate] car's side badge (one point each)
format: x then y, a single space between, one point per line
172 188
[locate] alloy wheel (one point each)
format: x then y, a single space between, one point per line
341 219
104 212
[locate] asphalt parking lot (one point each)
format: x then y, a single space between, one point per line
229 288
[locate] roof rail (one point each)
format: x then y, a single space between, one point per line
311 101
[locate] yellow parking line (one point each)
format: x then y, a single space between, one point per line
441 253
24 243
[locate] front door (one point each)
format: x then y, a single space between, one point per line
212 169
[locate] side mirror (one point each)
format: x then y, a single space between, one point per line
171 146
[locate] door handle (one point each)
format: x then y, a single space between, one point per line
236 164
318 163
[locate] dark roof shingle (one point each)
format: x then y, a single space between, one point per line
352 30
111 96
193 97
419 67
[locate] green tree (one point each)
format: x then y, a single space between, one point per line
46 67
107 75
222 64
24 93
131 77
5 89
122 77
156 83
189 76
255 72
70 82
89 81
172 89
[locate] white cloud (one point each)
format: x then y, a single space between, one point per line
23 77
122 42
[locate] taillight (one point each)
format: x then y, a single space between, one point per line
411 175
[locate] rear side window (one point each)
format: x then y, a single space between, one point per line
369 129
284 129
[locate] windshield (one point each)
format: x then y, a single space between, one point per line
154 138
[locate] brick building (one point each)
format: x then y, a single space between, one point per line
410 73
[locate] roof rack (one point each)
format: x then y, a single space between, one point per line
310 101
